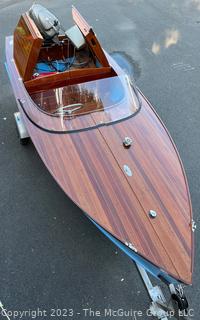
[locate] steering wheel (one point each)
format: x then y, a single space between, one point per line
67 109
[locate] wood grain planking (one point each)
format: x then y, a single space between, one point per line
27 43
116 202
50 170
148 188
67 78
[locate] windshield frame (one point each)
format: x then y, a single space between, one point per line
55 124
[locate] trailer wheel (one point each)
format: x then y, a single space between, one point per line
24 141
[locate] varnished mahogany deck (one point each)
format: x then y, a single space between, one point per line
89 168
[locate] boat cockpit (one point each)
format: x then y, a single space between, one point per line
68 75
47 59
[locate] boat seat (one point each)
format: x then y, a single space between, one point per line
62 79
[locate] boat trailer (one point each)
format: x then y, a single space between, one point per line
176 307
21 128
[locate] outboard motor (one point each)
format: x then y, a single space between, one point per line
47 23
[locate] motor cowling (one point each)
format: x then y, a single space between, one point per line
47 23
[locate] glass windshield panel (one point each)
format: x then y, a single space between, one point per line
88 104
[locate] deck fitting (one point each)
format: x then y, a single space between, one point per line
194 226
152 214
127 170
127 142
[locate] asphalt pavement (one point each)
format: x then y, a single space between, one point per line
51 256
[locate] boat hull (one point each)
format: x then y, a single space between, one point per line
90 166
138 259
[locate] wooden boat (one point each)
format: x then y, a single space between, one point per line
104 144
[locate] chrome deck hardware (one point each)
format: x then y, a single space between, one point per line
127 170
127 142
194 226
152 214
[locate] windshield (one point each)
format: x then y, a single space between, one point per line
86 105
